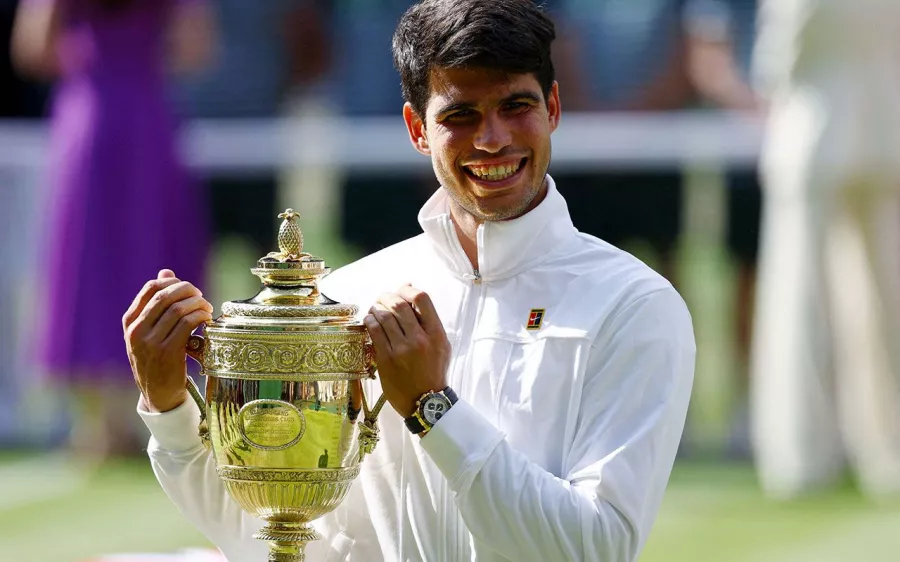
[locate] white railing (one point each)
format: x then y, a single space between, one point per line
583 141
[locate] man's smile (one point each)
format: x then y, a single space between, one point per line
495 174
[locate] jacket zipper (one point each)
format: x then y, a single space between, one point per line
455 525
469 312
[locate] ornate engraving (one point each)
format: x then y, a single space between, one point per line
342 356
319 357
237 309
286 357
256 357
349 356
225 354
369 359
297 532
271 425
249 474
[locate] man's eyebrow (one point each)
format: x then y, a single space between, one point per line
515 96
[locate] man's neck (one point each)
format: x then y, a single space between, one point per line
467 232
467 225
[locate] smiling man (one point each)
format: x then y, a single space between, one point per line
539 378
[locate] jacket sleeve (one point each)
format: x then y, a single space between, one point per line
187 473
629 423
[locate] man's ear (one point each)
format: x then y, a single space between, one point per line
415 126
554 108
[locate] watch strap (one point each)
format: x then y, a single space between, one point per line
451 395
414 425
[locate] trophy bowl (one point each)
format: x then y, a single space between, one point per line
284 396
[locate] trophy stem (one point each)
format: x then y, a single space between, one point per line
287 541
287 552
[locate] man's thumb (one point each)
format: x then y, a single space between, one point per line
166 274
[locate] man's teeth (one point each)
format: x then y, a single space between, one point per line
494 173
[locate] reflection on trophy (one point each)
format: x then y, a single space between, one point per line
284 394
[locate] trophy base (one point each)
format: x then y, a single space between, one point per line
287 541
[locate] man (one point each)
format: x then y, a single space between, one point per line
567 421
825 362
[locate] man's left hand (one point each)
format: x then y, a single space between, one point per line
411 348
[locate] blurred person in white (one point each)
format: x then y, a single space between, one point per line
825 365
721 35
562 429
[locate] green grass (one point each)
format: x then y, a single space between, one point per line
717 513
52 510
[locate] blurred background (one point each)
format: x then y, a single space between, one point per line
142 134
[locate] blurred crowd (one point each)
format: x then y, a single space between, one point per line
115 78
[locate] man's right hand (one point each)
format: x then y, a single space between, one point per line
157 327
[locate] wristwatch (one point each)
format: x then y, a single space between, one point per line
430 407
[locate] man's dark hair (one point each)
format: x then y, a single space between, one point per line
508 36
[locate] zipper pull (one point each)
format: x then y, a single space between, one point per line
475 276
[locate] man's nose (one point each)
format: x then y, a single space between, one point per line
493 134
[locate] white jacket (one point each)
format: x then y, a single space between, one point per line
562 442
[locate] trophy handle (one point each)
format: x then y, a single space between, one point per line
368 428
195 348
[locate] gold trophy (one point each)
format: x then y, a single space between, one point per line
284 395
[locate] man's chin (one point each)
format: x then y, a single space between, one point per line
494 212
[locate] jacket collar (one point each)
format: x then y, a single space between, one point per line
504 247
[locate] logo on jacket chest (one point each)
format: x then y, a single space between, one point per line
535 319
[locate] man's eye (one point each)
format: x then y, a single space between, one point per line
516 105
460 115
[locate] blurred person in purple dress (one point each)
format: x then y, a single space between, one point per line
121 204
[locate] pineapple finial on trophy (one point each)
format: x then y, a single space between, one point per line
290 238
290 266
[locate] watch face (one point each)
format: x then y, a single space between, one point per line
434 408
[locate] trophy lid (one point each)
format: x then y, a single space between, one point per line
290 289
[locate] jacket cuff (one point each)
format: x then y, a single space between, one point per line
460 443
174 431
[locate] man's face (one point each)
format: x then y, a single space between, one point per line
488 136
